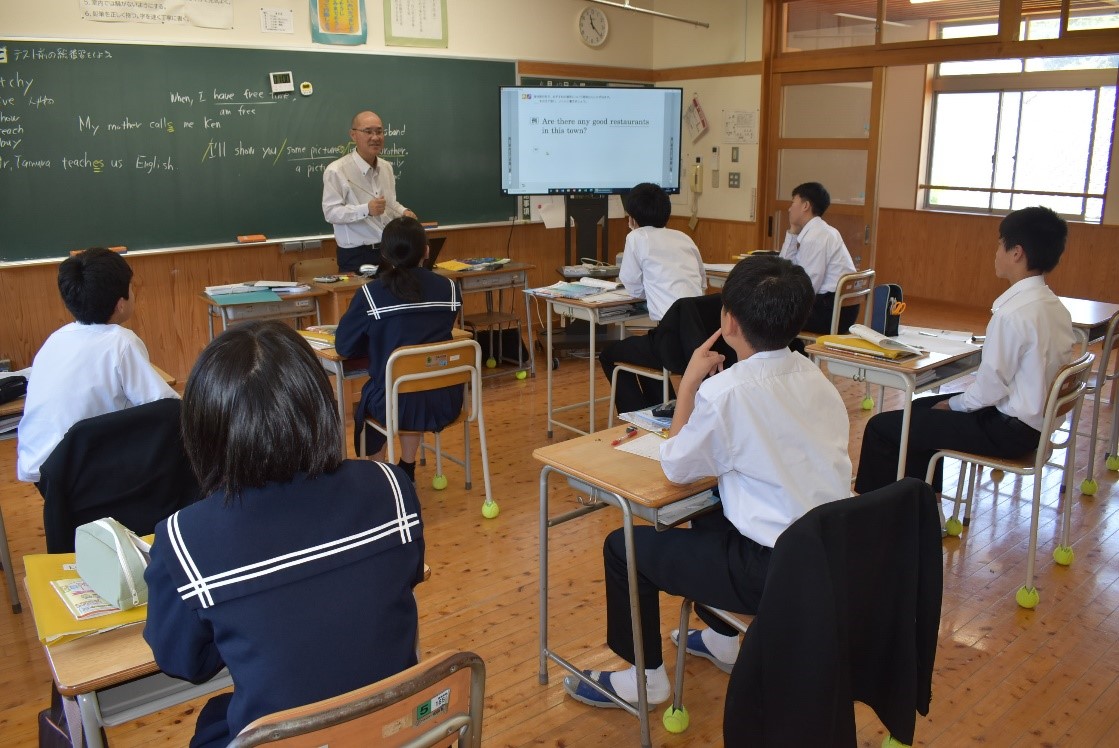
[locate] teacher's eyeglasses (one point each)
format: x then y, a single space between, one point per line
378 131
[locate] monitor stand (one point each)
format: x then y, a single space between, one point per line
587 212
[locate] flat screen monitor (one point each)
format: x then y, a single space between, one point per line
589 140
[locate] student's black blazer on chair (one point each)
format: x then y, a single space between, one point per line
850 611
685 326
129 465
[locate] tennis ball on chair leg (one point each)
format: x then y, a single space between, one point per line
868 403
1089 487
953 526
1113 462
491 363
675 720
490 509
439 482
522 374
1027 597
1064 555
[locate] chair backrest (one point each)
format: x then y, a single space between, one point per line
1065 394
429 366
858 285
305 271
129 465
435 703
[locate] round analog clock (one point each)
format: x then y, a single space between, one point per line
593 26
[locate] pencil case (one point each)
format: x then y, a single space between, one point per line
111 559
887 297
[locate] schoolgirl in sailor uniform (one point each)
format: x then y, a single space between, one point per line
296 570
404 305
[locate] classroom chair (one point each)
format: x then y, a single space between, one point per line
850 612
859 285
1066 395
129 465
305 271
1098 380
437 702
429 366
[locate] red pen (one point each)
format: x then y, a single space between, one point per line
631 431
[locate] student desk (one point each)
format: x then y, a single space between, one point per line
355 368
291 306
1089 318
14 408
511 275
595 313
111 678
912 376
638 488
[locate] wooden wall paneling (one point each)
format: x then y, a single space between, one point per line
949 256
718 239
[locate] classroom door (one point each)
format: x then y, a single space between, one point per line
826 129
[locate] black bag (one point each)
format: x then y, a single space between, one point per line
887 297
12 388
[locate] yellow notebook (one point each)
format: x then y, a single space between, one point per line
453 265
855 344
53 620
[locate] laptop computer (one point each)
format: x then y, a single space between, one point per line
434 247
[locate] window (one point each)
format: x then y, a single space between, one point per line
1006 134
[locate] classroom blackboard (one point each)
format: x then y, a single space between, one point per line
153 146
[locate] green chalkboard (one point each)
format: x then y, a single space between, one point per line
153 146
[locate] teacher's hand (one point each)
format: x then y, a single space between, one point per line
376 206
410 214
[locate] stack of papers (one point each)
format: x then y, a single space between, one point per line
866 341
646 420
590 289
53 620
472 263
320 336
229 288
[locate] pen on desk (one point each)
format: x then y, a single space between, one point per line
631 431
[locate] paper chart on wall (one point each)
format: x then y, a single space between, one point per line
740 126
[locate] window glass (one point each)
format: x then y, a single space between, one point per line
1085 15
827 24
847 106
964 127
910 20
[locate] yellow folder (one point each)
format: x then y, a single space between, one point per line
53 621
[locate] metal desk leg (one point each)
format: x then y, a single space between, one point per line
531 343
543 674
91 720
9 572
340 393
549 368
590 380
906 412
635 621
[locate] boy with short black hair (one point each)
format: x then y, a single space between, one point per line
774 431
89 367
659 265
1029 338
818 248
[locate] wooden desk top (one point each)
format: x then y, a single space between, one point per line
592 459
314 292
16 406
509 267
102 660
917 365
1088 313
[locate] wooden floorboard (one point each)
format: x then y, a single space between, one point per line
1004 676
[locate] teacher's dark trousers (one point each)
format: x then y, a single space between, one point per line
712 563
986 431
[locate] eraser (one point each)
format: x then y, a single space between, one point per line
119 249
246 238
430 224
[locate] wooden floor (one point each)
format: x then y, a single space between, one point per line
1004 675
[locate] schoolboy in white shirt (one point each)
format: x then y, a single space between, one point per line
659 265
89 367
1029 338
818 248
774 431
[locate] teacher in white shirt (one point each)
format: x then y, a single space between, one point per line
359 195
